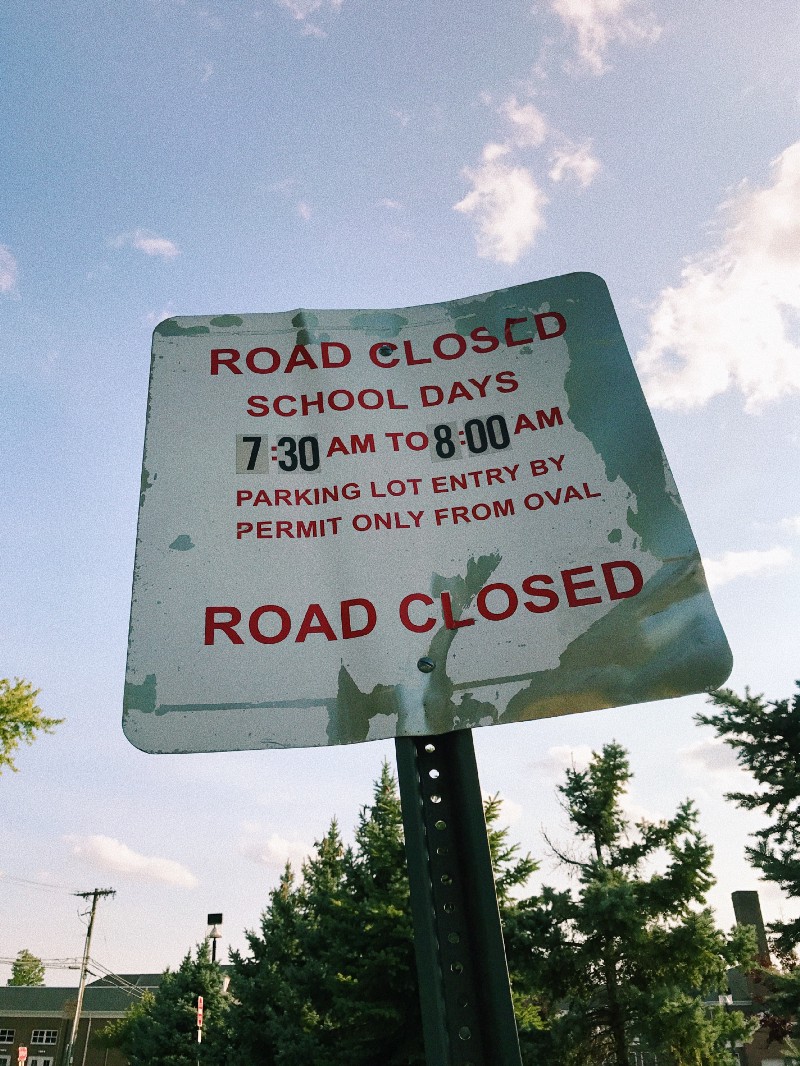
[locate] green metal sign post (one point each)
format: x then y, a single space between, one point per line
465 995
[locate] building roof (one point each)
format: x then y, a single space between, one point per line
103 998
139 980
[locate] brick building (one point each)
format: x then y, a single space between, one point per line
40 1019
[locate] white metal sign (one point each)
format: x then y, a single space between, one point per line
362 524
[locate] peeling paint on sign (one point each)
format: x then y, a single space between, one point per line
477 483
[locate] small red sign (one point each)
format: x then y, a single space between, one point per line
199 1012
22 1054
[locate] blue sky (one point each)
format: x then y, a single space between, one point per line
171 158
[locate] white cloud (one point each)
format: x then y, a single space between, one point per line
574 161
9 272
506 201
529 125
732 565
304 210
284 185
149 243
152 318
506 204
791 524
271 850
560 758
733 319
710 756
302 10
599 23
635 812
712 763
112 855
390 205
511 812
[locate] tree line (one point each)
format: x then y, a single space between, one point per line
628 965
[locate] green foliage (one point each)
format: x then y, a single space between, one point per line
628 959
161 1029
20 719
766 738
26 969
512 871
330 977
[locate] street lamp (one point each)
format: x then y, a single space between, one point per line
214 920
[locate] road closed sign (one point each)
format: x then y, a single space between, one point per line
363 524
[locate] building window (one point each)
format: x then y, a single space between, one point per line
39 1061
44 1036
6 1036
5 1060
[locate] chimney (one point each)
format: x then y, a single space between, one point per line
747 909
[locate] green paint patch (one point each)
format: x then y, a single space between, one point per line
350 717
613 664
609 408
305 322
141 697
145 484
615 536
170 327
226 320
380 323
183 543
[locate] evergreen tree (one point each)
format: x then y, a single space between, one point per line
630 958
330 978
26 969
161 1029
766 739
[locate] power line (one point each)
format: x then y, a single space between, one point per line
50 964
25 882
120 982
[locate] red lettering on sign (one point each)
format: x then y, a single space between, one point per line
224 625
255 627
510 341
611 582
271 364
416 627
561 325
232 359
549 596
571 586
349 631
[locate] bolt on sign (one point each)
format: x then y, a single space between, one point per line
363 524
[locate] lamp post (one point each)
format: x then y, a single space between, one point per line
214 920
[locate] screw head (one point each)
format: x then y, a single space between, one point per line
426 665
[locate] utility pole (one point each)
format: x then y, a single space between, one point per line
94 895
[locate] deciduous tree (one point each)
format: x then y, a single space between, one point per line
20 719
26 969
